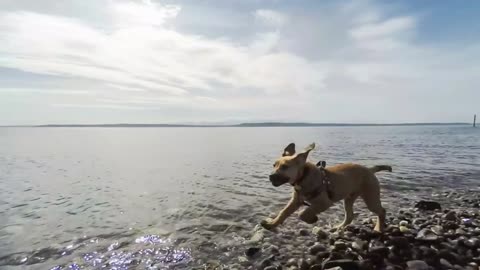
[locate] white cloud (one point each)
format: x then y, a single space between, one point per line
97 106
271 17
143 55
145 13
385 28
299 67
45 91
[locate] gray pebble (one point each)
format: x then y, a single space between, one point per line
473 243
323 255
379 250
428 205
316 249
359 245
446 264
267 262
251 251
452 216
403 223
339 245
212 264
467 222
449 255
319 233
235 266
417 265
304 265
418 221
258 234
399 241
310 243
437 229
291 262
349 235
404 229
272 249
303 232
426 235
342 263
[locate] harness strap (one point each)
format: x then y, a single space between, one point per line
326 183
324 187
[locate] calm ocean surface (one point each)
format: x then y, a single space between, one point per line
177 197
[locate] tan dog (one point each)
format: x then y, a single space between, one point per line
321 188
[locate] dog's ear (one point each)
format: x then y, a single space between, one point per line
289 150
309 148
303 155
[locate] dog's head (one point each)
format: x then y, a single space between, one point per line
290 166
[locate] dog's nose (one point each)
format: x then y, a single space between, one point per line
275 177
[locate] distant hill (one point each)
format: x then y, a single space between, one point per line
260 124
294 124
126 125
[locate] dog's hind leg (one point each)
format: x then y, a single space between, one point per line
371 196
348 206
381 213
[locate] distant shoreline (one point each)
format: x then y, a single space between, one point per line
263 124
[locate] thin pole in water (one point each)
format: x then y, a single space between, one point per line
474 119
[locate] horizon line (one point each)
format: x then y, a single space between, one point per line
249 124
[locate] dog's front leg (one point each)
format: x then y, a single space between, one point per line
318 205
288 210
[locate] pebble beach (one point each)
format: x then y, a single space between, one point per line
440 233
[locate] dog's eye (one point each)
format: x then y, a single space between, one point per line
283 167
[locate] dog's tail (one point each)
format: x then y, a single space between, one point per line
379 168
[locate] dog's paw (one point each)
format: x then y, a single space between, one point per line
313 220
309 219
267 224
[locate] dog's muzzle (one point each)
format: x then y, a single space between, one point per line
278 179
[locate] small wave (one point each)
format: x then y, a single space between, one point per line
149 251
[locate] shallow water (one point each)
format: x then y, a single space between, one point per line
178 197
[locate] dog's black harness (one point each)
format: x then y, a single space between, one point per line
325 183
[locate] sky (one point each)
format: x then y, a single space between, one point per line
230 61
